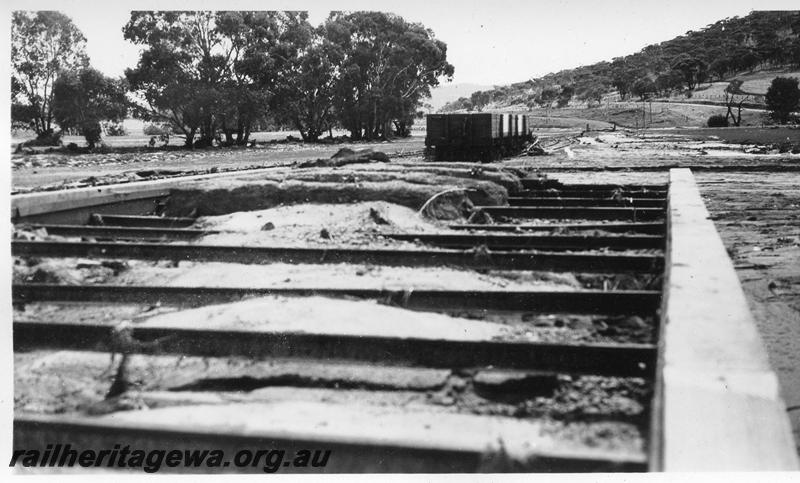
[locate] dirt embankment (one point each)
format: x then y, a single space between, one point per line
406 186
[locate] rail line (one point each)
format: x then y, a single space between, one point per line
475 259
490 385
491 241
601 359
650 228
580 302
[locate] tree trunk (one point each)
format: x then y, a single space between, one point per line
367 131
240 133
246 134
373 128
190 137
355 130
45 128
402 129
206 133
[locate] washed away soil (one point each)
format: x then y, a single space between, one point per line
597 413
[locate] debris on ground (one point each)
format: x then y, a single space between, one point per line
377 217
757 150
480 217
451 204
346 156
535 148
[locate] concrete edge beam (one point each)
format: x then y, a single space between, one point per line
28 204
722 409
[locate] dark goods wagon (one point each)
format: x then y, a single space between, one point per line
469 137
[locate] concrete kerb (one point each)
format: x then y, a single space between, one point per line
722 409
50 201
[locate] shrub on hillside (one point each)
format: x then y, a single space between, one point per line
718 120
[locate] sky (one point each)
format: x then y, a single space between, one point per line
489 42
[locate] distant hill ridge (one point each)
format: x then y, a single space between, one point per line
446 93
760 40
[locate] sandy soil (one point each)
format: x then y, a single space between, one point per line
74 271
756 213
395 399
357 224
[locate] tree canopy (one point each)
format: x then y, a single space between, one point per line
783 98
43 44
388 66
83 99
207 72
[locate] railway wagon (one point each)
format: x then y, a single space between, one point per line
481 136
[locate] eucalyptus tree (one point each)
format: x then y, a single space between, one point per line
388 65
82 99
180 70
307 85
783 98
43 44
202 72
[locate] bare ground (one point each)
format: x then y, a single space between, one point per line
32 170
757 215
756 212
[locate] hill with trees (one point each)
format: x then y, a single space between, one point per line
760 40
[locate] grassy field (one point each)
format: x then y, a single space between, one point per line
567 122
755 82
746 135
658 114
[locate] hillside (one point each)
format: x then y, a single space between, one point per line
447 93
756 82
729 48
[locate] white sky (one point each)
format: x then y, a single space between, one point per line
489 42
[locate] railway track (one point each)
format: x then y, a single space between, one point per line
554 380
